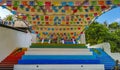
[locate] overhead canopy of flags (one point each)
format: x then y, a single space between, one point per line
48 17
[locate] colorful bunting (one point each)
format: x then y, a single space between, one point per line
67 13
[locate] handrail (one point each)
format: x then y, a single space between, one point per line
13 28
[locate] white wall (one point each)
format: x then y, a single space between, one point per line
10 39
34 37
20 24
83 40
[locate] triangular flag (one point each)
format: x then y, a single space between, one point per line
97 8
101 3
108 2
16 3
80 9
14 8
40 3
31 3
93 3
116 1
25 3
9 3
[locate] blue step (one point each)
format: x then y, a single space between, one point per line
105 59
59 61
72 57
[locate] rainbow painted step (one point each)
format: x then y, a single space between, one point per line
46 45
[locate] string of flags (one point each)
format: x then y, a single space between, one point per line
75 13
16 3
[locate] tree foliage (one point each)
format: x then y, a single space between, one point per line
99 33
96 33
114 25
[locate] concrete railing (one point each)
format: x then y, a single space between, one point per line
105 46
60 67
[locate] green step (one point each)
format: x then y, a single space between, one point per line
46 45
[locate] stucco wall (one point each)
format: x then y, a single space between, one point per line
10 39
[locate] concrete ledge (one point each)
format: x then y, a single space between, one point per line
60 67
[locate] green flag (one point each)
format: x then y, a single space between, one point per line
97 8
116 1
80 9
29 18
35 7
93 3
16 3
40 3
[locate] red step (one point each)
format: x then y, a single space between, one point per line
9 61
14 56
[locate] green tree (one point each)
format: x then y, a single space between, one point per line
113 40
99 33
117 32
96 33
114 25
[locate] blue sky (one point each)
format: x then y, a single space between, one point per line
4 12
110 16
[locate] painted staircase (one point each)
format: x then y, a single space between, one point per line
10 60
105 59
